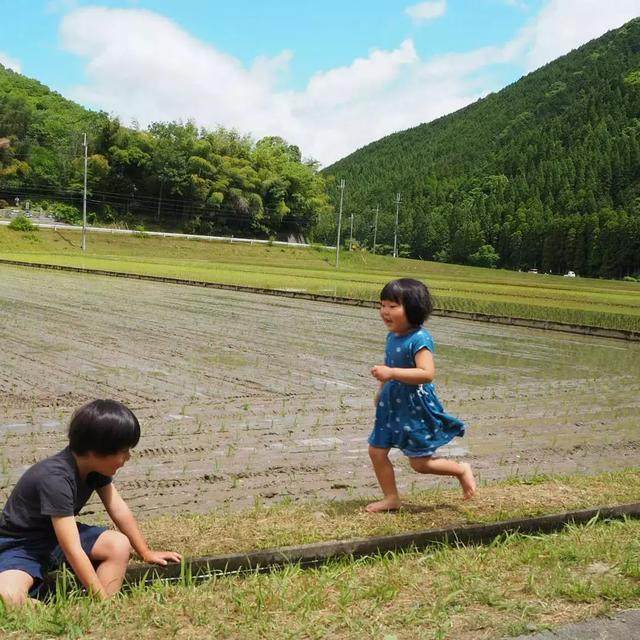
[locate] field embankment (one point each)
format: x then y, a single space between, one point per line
588 302
513 586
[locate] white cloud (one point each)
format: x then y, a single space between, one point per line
9 62
426 10
563 25
362 78
126 75
141 65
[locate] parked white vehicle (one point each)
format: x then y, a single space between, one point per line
570 274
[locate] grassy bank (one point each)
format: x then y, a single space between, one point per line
513 585
601 303
516 584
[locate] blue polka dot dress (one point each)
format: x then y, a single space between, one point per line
411 417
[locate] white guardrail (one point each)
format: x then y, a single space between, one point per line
162 234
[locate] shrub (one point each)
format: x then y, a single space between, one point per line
485 256
66 213
22 223
441 256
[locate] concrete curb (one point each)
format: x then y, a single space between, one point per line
316 554
549 325
624 625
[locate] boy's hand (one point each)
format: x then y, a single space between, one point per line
162 557
382 372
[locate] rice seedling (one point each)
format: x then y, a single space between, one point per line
597 303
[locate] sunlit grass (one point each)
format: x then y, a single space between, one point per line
516 584
291 523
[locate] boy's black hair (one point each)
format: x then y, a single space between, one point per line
413 295
104 427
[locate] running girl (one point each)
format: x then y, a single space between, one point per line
409 415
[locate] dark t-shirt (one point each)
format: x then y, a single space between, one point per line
51 487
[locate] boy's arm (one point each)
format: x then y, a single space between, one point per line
122 517
66 530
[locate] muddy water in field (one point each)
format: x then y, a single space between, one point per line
245 397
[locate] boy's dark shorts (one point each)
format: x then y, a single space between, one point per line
38 557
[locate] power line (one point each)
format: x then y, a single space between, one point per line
197 209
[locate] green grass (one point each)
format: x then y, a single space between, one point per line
599 303
513 585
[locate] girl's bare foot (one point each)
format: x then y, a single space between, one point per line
386 504
467 481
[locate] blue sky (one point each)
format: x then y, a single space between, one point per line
329 76
321 39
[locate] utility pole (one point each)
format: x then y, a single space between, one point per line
375 228
351 231
159 201
339 224
84 197
395 235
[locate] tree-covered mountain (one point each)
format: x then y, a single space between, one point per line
172 175
545 173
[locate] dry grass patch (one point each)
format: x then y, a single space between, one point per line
287 524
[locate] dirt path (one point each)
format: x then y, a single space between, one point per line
245 397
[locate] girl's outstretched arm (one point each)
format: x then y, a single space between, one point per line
424 371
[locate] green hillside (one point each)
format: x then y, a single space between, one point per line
544 173
172 176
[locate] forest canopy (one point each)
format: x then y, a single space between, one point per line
544 174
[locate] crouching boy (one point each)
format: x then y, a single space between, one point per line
38 529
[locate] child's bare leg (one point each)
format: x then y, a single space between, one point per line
112 550
445 467
386 479
14 587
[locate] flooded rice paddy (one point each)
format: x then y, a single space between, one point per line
246 398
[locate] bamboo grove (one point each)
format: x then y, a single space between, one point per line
174 176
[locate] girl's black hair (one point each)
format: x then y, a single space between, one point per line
413 295
104 427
